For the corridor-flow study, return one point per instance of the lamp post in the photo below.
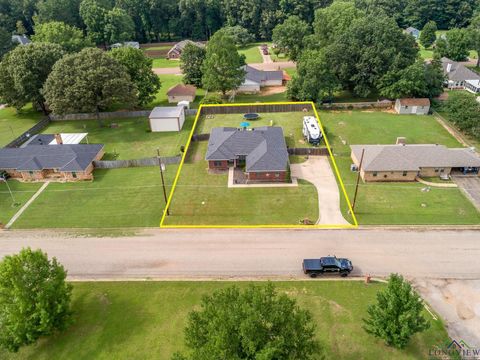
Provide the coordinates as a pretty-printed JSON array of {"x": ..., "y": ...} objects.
[{"x": 163, "y": 180}]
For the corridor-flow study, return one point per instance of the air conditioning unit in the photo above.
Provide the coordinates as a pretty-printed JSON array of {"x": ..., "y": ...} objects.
[{"x": 353, "y": 167}]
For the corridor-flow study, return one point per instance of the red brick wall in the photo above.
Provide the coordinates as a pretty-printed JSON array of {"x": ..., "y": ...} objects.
[
  {"x": 222, "y": 165},
  {"x": 268, "y": 176}
]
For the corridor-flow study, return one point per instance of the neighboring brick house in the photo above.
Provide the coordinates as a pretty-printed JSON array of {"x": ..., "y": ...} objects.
[
  {"x": 51, "y": 162},
  {"x": 412, "y": 106},
  {"x": 262, "y": 151},
  {"x": 176, "y": 51},
  {"x": 407, "y": 162},
  {"x": 181, "y": 92},
  {"x": 257, "y": 79},
  {"x": 460, "y": 77}
]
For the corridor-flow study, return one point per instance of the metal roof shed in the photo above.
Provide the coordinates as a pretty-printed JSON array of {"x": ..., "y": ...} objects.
[{"x": 167, "y": 118}]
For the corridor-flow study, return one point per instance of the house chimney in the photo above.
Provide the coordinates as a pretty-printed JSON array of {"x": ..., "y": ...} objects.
[
  {"x": 449, "y": 67},
  {"x": 58, "y": 139},
  {"x": 401, "y": 141}
]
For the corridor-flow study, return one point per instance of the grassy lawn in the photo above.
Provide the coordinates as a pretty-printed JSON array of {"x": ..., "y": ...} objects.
[
  {"x": 165, "y": 63},
  {"x": 131, "y": 140},
  {"x": 168, "y": 81},
  {"x": 395, "y": 203},
  {"x": 161, "y": 47},
  {"x": 252, "y": 53},
  {"x": 13, "y": 125},
  {"x": 146, "y": 320},
  {"x": 21, "y": 193},
  {"x": 116, "y": 198},
  {"x": 203, "y": 199}
]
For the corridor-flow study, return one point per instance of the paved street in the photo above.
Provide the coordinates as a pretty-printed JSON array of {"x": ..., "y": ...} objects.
[{"x": 163, "y": 254}]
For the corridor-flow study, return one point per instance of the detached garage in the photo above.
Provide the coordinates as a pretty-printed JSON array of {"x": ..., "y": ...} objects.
[{"x": 167, "y": 118}]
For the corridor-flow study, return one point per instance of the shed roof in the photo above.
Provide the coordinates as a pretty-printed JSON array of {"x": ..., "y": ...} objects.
[
  {"x": 182, "y": 90},
  {"x": 264, "y": 147},
  {"x": 166, "y": 112},
  {"x": 67, "y": 158},
  {"x": 414, "y": 102},
  {"x": 413, "y": 157}
]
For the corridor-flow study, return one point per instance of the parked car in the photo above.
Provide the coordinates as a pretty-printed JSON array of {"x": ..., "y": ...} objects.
[{"x": 327, "y": 264}]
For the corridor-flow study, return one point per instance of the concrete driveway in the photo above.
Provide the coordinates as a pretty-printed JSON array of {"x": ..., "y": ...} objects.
[
  {"x": 317, "y": 170},
  {"x": 471, "y": 186}
]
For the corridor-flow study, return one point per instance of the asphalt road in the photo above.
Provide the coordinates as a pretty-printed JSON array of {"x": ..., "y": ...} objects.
[{"x": 193, "y": 254}]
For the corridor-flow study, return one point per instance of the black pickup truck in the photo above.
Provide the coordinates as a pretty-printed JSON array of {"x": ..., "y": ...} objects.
[{"x": 325, "y": 265}]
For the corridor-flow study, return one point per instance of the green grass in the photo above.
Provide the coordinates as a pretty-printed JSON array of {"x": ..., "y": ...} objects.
[
  {"x": 168, "y": 81},
  {"x": 146, "y": 320},
  {"x": 201, "y": 198},
  {"x": 13, "y": 125},
  {"x": 252, "y": 53},
  {"x": 116, "y": 198},
  {"x": 161, "y": 47},
  {"x": 290, "y": 122},
  {"x": 395, "y": 203},
  {"x": 131, "y": 140},
  {"x": 165, "y": 63},
  {"x": 21, "y": 194}
]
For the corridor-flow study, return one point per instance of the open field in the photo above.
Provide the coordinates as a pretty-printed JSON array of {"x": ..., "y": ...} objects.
[
  {"x": 164, "y": 63},
  {"x": 201, "y": 198},
  {"x": 116, "y": 198},
  {"x": 252, "y": 53},
  {"x": 132, "y": 139},
  {"x": 13, "y": 125},
  {"x": 146, "y": 320},
  {"x": 394, "y": 203}
]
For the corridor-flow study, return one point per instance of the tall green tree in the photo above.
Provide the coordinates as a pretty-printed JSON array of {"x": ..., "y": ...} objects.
[
  {"x": 464, "y": 111},
  {"x": 474, "y": 35},
  {"x": 419, "y": 80},
  {"x": 290, "y": 36},
  {"x": 6, "y": 43},
  {"x": 23, "y": 72},
  {"x": 192, "y": 59},
  {"x": 66, "y": 11},
  {"x": 315, "y": 80},
  {"x": 372, "y": 46},
  {"x": 455, "y": 45},
  {"x": 94, "y": 16},
  {"x": 139, "y": 67},
  {"x": 240, "y": 35},
  {"x": 70, "y": 38},
  {"x": 223, "y": 66},
  {"x": 397, "y": 315},
  {"x": 256, "y": 323},
  {"x": 88, "y": 81},
  {"x": 34, "y": 298},
  {"x": 119, "y": 26},
  {"x": 429, "y": 34}
]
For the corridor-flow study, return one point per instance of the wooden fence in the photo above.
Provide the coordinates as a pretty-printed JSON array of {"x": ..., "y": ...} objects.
[
  {"x": 309, "y": 151},
  {"x": 35, "y": 129},
  {"x": 110, "y": 115},
  {"x": 256, "y": 108},
  {"x": 384, "y": 104},
  {"x": 117, "y": 164}
]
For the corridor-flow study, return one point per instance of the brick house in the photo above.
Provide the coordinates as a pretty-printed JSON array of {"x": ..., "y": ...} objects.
[
  {"x": 181, "y": 92},
  {"x": 51, "y": 162},
  {"x": 176, "y": 51},
  {"x": 403, "y": 162},
  {"x": 261, "y": 151}
]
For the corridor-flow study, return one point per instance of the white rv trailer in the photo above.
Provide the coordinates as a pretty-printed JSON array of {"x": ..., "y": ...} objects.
[{"x": 311, "y": 130}]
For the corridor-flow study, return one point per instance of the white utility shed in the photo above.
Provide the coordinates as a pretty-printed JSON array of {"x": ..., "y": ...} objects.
[{"x": 167, "y": 118}]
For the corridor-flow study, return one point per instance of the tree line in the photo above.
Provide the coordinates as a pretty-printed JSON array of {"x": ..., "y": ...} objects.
[{"x": 154, "y": 20}]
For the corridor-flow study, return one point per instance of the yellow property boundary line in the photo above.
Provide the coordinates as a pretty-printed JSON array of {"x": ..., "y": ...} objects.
[{"x": 337, "y": 173}]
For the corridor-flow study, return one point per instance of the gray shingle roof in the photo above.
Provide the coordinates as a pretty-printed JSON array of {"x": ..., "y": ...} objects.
[
  {"x": 21, "y": 39},
  {"x": 458, "y": 72},
  {"x": 411, "y": 29},
  {"x": 413, "y": 157},
  {"x": 258, "y": 76},
  {"x": 166, "y": 112},
  {"x": 38, "y": 157},
  {"x": 181, "y": 45},
  {"x": 264, "y": 147}
]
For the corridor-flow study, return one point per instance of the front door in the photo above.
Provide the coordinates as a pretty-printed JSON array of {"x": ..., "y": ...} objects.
[{"x": 414, "y": 109}]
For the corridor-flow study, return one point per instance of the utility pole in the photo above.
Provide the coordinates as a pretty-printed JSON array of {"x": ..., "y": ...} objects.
[
  {"x": 358, "y": 180},
  {"x": 163, "y": 180}
]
